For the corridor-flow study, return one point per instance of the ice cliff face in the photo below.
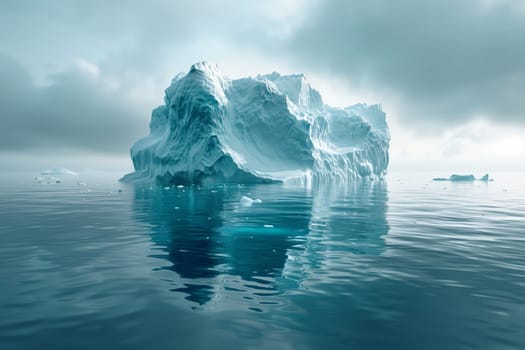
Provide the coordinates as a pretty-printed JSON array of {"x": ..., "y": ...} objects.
[{"x": 270, "y": 128}]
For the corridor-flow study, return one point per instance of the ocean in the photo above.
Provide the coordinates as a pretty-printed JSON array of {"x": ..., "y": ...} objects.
[{"x": 403, "y": 263}]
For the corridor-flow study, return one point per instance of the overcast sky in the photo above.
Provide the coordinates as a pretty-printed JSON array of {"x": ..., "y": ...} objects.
[{"x": 78, "y": 79}]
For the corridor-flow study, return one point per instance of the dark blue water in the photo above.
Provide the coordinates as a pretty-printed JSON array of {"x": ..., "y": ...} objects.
[{"x": 405, "y": 263}]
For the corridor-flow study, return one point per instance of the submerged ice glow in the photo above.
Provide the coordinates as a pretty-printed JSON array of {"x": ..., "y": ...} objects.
[{"x": 255, "y": 130}]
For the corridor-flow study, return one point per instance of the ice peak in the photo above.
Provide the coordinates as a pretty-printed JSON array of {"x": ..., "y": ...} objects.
[
  {"x": 297, "y": 89},
  {"x": 203, "y": 79},
  {"x": 206, "y": 68}
]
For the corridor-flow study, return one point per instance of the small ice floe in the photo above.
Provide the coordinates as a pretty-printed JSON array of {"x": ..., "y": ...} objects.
[
  {"x": 484, "y": 178},
  {"x": 268, "y": 226},
  {"x": 180, "y": 186},
  {"x": 57, "y": 171},
  {"x": 463, "y": 178},
  {"x": 167, "y": 188},
  {"x": 248, "y": 202},
  {"x": 47, "y": 180}
]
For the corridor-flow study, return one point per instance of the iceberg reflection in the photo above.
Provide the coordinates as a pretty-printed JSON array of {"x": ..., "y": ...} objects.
[{"x": 231, "y": 254}]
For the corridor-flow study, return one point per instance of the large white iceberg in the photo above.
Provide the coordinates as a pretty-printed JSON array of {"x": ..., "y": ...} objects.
[{"x": 212, "y": 129}]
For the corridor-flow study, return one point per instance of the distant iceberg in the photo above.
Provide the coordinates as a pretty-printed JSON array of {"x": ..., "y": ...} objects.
[
  {"x": 462, "y": 178},
  {"x": 270, "y": 128},
  {"x": 47, "y": 180},
  {"x": 58, "y": 172}
]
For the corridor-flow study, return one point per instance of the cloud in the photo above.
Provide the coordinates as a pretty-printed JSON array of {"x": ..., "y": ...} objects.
[
  {"x": 483, "y": 138},
  {"x": 137, "y": 36},
  {"x": 446, "y": 62},
  {"x": 78, "y": 110},
  {"x": 85, "y": 75}
]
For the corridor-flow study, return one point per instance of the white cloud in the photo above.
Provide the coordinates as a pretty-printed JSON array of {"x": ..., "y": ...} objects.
[
  {"x": 87, "y": 67},
  {"x": 436, "y": 67}
]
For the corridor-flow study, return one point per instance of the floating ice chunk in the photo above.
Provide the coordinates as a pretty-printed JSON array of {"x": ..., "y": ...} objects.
[
  {"x": 81, "y": 184},
  {"x": 268, "y": 226},
  {"x": 58, "y": 171},
  {"x": 455, "y": 177},
  {"x": 462, "y": 178},
  {"x": 248, "y": 202},
  {"x": 440, "y": 179},
  {"x": 47, "y": 180}
]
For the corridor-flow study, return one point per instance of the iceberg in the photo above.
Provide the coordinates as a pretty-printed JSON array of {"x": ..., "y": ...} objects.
[
  {"x": 58, "y": 171},
  {"x": 463, "y": 178},
  {"x": 47, "y": 180},
  {"x": 263, "y": 129}
]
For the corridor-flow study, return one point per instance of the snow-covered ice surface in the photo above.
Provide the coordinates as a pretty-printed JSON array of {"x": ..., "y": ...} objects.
[{"x": 270, "y": 128}]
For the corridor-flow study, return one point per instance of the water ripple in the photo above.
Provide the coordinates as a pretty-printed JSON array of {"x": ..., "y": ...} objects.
[{"x": 395, "y": 263}]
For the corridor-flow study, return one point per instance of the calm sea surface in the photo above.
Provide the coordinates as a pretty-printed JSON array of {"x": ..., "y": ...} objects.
[{"x": 405, "y": 263}]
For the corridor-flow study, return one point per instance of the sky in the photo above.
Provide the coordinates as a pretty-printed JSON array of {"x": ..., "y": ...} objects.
[{"x": 78, "y": 79}]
